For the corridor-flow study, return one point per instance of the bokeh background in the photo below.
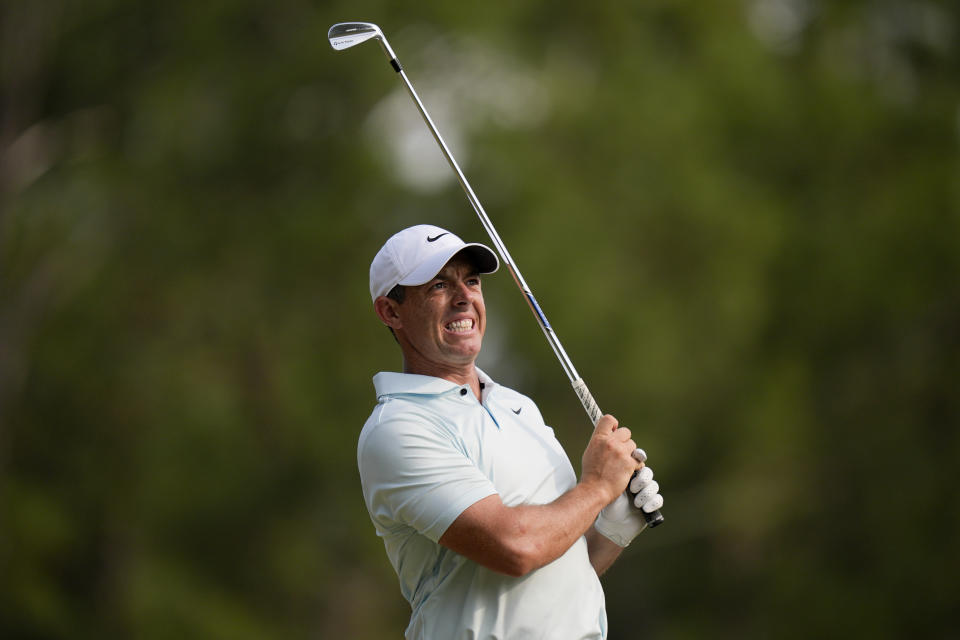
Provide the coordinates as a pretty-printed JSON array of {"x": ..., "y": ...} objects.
[{"x": 742, "y": 219}]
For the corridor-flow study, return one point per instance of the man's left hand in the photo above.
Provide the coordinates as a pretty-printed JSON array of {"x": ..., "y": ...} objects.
[{"x": 621, "y": 520}]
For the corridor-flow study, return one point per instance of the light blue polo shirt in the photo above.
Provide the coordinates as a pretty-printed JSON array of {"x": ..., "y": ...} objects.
[{"x": 428, "y": 451}]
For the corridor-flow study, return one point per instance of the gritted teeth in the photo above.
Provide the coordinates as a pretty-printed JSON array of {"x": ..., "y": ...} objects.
[{"x": 460, "y": 325}]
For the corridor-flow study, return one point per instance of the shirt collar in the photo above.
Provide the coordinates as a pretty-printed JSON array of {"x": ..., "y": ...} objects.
[{"x": 388, "y": 383}]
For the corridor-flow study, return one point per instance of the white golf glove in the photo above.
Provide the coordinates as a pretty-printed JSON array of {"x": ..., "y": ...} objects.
[{"x": 621, "y": 520}]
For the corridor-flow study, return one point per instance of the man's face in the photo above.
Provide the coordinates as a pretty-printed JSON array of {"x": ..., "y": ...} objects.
[{"x": 442, "y": 322}]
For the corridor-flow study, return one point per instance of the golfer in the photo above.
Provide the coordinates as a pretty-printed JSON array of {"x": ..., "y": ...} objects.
[{"x": 478, "y": 506}]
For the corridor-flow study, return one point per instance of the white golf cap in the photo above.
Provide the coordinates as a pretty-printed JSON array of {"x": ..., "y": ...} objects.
[{"x": 415, "y": 255}]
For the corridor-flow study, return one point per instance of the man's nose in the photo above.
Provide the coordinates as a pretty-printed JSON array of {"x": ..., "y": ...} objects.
[{"x": 462, "y": 294}]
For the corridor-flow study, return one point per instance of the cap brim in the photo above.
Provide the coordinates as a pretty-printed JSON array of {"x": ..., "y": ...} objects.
[{"x": 483, "y": 258}]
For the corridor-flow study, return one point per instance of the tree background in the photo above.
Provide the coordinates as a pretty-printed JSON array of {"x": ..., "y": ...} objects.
[{"x": 742, "y": 218}]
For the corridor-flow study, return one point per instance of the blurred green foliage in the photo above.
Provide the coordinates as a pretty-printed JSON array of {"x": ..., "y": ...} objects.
[{"x": 743, "y": 220}]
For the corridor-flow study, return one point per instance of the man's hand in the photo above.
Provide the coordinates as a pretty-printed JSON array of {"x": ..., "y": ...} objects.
[
  {"x": 607, "y": 461},
  {"x": 621, "y": 520}
]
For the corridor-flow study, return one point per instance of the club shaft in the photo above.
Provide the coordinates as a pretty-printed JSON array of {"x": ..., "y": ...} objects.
[{"x": 501, "y": 249}]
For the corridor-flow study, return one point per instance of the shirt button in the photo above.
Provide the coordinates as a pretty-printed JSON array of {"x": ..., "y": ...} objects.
[{"x": 463, "y": 392}]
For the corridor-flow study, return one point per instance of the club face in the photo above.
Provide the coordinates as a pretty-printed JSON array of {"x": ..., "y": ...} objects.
[{"x": 344, "y": 35}]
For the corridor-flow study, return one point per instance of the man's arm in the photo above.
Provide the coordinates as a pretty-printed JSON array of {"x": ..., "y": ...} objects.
[{"x": 517, "y": 540}]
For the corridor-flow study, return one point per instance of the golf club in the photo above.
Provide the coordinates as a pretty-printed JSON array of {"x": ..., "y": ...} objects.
[{"x": 345, "y": 35}]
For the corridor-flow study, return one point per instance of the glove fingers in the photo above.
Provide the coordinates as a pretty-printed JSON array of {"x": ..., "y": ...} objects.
[
  {"x": 642, "y": 479},
  {"x": 653, "y": 504},
  {"x": 646, "y": 493}
]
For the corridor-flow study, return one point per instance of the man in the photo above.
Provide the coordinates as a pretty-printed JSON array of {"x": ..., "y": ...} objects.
[{"x": 478, "y": 506}]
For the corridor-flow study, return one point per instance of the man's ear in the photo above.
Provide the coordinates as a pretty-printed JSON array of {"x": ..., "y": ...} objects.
[{"x": 387, "y": 312}]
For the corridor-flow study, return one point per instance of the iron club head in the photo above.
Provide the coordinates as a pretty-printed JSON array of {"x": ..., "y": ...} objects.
[{"x": 344, "y": 35}]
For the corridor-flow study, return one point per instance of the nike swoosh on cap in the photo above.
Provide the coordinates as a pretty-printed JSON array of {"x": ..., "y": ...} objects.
[
  {"x": 435, "y": 238},
  {"x": 517, "y": 411}
]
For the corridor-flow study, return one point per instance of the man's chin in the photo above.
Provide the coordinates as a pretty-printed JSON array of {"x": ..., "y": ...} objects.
[{"x": 466, "y": 351}]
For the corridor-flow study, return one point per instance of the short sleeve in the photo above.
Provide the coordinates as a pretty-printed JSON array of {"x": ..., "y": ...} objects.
[{"x": 416, "y": 474}]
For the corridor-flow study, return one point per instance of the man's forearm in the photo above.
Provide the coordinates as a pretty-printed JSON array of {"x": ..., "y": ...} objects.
[
  {"x": 517, "y": 540},
  {"x": 553, "y": 528}
]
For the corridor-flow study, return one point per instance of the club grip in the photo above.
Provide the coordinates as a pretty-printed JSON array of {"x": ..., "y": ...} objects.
[{"x": 586, "y": 399}]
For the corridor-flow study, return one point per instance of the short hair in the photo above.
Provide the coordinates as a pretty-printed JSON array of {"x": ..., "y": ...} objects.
[{"x": 398, "y": 294}]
